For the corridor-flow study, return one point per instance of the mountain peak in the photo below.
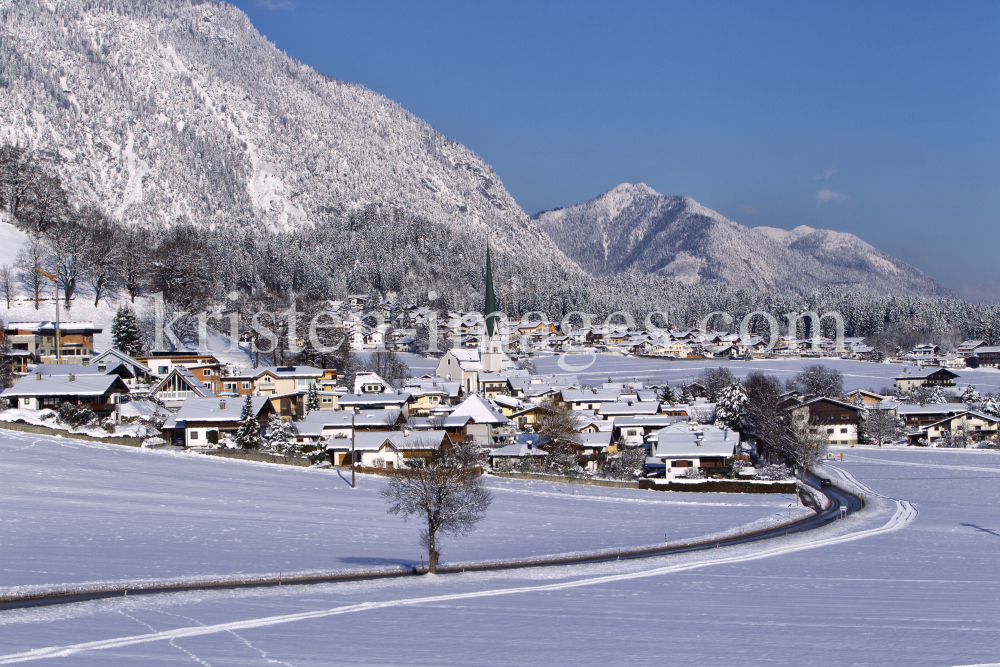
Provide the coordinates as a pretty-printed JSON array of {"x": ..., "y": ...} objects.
[{"x": 633, "y": 228}]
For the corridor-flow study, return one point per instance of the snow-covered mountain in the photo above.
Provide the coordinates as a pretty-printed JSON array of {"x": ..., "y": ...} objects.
[
  {"x": 634, "y": 228},
  {"x": 180, "y": 110}
]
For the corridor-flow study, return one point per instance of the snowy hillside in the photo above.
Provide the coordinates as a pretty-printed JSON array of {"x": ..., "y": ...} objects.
[
  {"x": 177, "y": 110},
  {"x": 634, "y": 228}
]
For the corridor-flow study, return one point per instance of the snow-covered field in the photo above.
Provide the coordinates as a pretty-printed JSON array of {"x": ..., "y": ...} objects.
[
  {"x": 78, "y": 512},
  {"x": 908, "y": 582},
  {"x": 857, "y": 374}
]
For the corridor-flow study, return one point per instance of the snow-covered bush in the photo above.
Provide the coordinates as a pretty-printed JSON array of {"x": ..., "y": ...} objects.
[
  {"x": 76, "y": 415},
  {"x": 770, "y": 472}
]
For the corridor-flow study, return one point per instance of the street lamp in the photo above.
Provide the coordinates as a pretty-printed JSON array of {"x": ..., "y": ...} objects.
[{"x": 54, "y": 279}]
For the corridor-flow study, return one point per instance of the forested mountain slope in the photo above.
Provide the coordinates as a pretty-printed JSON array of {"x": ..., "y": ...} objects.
[{"x": 174, "y": 111}]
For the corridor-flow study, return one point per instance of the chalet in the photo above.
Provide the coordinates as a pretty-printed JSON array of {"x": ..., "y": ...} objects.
[
  {"x": 320, "y": 425},
  {"x": 865, "y": 398},
  {"x": 839, "y": 419},
  {"x": 39, "y": 339},
  {"x": 98, "y": 391},
  {"x": 484, "y": 419},
  {"x": 517, "y": 452},
  {"x": 960, "y": 429},
  {"x": 988, "y": 357},
  {"x": 142, "y": 373},
  {"x": 628, "y": 409},
  {"x": 119, "y": 369},
  {"x": 918, "y": 416},
  {"x": 924, "y": 377},
  {"x": 685, "y": 445},
  {"x": 162, "y": 363},
  {"x": 969, "y": 347},
  {"x": 293, "y": 379},
  {"x": 587, "y": 399},
  {"x": 632, "y": 431},
  {"x": 376, "y": 401},
  {"x": 179, "y": 385},
  {"x": 387, "y": 449},
  {"x": 202, "y": 422}
]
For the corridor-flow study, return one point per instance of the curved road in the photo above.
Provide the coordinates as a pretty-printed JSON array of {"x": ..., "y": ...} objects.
[{"x": 838, "y": 498}]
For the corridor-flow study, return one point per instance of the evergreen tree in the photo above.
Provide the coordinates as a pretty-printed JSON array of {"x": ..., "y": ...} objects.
[
  {"x": 280, "y": 438},
  {"x": 125, "y": 335},
  {"x": 731, "y": 405},
  {"x": 991, "y": 406},
  {"x": 686, "y": 396},
  {"x": 312, "y": 400},
  {"x": 971, "y": 395},
  {"x": 667, "y": 395},
  {"x": 938, "y": 396},
  {"x": 248, "y": 433}
]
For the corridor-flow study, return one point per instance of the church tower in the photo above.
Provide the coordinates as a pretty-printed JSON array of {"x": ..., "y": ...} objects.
[{"x": 491, "y": 355}]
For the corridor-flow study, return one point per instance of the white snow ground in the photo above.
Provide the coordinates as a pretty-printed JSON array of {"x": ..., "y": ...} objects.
[
  {"x": 857, "y": 374},
  {"x": 80, "y": 512},
  {"x": 898, "y": 584}
]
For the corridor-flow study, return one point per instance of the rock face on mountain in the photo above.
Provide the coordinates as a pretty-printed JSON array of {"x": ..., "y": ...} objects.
[
  {"x": 634, "y": 228},
  {"x": 164, "y": 111}
]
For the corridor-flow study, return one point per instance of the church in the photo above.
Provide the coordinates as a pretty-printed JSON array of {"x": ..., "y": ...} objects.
[{"x": 469, "y": 366}]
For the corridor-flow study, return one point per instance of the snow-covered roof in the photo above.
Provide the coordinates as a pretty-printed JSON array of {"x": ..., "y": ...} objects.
[
  {"x": 518, "y": 450},
  {"x": 196, "y": 385},
  {"x": 217, "y": 409},
  {"x": 921, "y": 373},
  {"x": 93, "y": 384},
  {"x": 479, "y": 410},
  {"x": 292, "y": 371},
  {"x": 362, "y": 379},
  {"x": 80, "y": 369},
  {"x": 930, "y": 409},
  {"x": 110, "y": 354},
  {"x": 39, "y": 327},
  {"x": 388, "y": 398},
  {"x": 401, "y": 440},
  {"x": 685, "y": 440},
  {"x": 599, "y": 439},
  {"x": 609, "y": 410}
]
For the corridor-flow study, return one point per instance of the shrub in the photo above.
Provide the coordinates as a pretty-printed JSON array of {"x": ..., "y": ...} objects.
[{"x": 75, "y": 415}]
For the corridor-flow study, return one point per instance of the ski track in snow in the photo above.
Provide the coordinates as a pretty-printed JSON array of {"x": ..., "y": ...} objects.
[{"x": 904, "y": 515}]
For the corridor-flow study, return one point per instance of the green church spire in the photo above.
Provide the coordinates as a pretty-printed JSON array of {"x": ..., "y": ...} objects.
[{"x": 491, "y": 300}]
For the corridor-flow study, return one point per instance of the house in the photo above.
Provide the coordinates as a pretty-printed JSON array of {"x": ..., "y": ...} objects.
[
  {"x": 924, "y": 377},
  {"x": 865, "y": 398},
  {"x": 969, "y": 347},
  {"x": 293, "y": 379},
  {"x": 387, "y": 449},
  {"x": 19, "y": 360},
  {"x": 39, "y": 339},
  {"x": 321, "y": 425},
  {"x": 162, "y": 363},
  {"x": 587, "y": 399},
  {"x": 628, "y": 409},
  {"x": 961, "y": 429},
  {"x": 632, "y": 431},
  {"x": 119, "y": 369},
  {"x": 141, "y": 373},
  {"x": 484, "y": 419},
  {"x": 202, "y": 422},
  {"x": 918, "y": 416},
  {"x": 178, "y": 385},
  {"x": 376, "y": 401},
  {"x": 839, "y": 419},
  {"x": 986, "y": 357},
  {"x": 926, "y": 351},
  {"x": 98, "y": 391},
  {"x": 685, "y": 445},
  {"x": 525, "y": 448}
]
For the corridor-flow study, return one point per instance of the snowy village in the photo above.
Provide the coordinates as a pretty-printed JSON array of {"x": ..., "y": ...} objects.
[{"x": 508, "y": 334}]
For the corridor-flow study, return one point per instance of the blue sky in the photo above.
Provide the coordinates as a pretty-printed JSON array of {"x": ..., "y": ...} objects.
[{"x": 879, "y": 119}]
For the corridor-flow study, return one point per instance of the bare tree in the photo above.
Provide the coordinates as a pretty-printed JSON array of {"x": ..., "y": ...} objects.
[
  {"x": 562, "y": 426},
  {"x": 32, "y": 254},
  {"x": 102, "y": 256},
  {"x": 388, "y": 366},
  {"x": 444, "y": 492},
  {"x": 8, "y": 281},
  {"x": 880, "y": 426},
  {"x": 715, "y": 380},
  {"x": 821, "y": 381},
  {"x": 135, "y": 259}
]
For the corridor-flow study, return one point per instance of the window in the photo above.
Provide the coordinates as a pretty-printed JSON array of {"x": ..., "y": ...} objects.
[
  {"x": 829, "y": 430},
  {"x": 246, "y": 385},
  {"x": 161, "y": 370},
  {"x": 633, "y": 431},
  {"x": 194, "y": 435},
  {"x": 843, "y": 430}
]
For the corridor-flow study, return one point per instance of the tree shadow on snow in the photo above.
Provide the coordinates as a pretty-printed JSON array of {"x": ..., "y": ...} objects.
[{"x": 985, "y": 530}]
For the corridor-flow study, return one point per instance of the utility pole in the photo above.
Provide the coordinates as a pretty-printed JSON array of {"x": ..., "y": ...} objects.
[
  {"x": 352, "y": 447},
  {"x": 55, "y": 280}
]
